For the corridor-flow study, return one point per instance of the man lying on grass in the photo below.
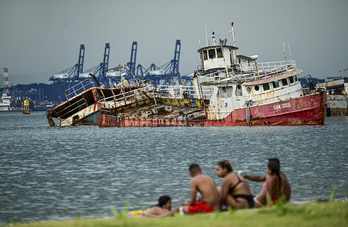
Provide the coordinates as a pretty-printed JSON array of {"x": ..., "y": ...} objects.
[{"x": 162, "y": 209}]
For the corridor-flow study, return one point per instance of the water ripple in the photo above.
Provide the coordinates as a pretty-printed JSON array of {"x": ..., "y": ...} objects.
[{"x": 59, "y": 173}]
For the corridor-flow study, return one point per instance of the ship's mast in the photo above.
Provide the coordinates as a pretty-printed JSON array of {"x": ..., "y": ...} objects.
[
  {"x": 286, "y": 60},
  {"x": 213, "y": 37},
  {"x": 232, "y": 31},
  {"x": 290, "y": 52}
]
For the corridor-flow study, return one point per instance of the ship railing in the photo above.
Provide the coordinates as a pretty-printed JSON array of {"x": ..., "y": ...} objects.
[
  {"x": 183, "y": 91},
  {"x": 128, "y": 97},
  {"x": 161, "y": 91},
  {"x": 270, "y": 66},
  {"x": 268, "y": 69},
  {"x": 78, "y": 88}
]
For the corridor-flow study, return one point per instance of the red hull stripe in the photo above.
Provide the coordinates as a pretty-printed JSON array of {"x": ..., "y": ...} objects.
[{"x": 309, "y": 109}]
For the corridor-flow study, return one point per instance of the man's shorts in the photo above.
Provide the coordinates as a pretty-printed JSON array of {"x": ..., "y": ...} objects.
[{"x": 200, "y": 207}]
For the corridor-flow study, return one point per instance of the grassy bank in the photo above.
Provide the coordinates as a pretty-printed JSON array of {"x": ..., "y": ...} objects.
[{"x": 317, "y": 214}]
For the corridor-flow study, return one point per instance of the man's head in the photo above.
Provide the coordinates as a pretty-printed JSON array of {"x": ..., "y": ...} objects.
[
  {"x": 194, "y": 170},
  {"x": 223, "y": 168},
  {"x": 165, "y": 202}
]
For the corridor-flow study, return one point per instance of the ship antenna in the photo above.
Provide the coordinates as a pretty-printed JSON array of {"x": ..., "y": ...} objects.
[
  {"x": 232, "y": 31},
  {"x": 206, "y": 34},
  {"x": 213, "y": 36},
  {"x": 285, "y": 55},
  {"x": 290, "y": 53},
  {"x": 205, "y": 25}
]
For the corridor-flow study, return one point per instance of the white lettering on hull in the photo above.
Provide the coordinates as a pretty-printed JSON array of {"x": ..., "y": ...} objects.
[{"x": 278, "y": 107}]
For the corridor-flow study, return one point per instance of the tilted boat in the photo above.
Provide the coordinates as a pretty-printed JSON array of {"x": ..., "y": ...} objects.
[
  {"x": 82, "y": 105},
  {"x": 228, "y": 90}
]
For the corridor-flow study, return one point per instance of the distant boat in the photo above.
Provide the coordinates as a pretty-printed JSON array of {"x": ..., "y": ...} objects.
[{"x": 5, "y": 99}]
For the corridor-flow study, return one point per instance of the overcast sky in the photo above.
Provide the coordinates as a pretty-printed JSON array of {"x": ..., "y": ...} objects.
[{"x": 39, "y": 38}]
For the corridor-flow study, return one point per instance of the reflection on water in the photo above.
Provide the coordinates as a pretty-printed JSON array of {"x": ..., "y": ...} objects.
[{"x": 59, "y": 173}]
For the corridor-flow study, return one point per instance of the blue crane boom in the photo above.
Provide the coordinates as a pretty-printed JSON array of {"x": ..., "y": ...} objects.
[
  {"x": 81, "y": 61},
  {"x": 72, "y": 73},
  {"x": 165, "y": 72},
  {"x": 133, "y": 58},
  {"x": 99, "y": 69}
]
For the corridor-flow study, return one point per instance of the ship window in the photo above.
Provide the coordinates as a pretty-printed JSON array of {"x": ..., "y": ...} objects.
[
  {"x": 275, "y": 84},
  {"x": 212, "y": 53},
  {"x": 202, "y": 61},
  {"x": 291, "y": 80},
  {"x": 257, "y": 88},
  {"x": 231, "y": 58},
  {"x": 205, "y": 55},
  {"x": 225, "y": 92},
  {"x": 296, "y": 78},
  {"x": 219, "y": 52},
  {"x": 239, "y": 91},
  {"x": 265, "y": 86},
  {"x": 248, "y": 89},
  {"x": 284, "y": 82}
]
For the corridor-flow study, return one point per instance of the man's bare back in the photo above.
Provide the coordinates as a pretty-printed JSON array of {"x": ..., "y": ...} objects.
[{"x": 205, "y": 185}]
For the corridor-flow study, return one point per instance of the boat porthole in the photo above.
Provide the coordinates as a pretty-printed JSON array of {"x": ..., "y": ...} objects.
[
  {"x": 257, "y": 88},
  {"x": 248, "y": 89}
]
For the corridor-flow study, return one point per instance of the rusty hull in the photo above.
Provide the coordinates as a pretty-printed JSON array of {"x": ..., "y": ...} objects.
[
  {"x": 75, "y": 110},
  {"x": 306, "y": 110}
]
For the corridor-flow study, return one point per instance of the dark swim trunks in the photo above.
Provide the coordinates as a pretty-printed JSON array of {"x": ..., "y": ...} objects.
[{"x": 248, "y": 198}]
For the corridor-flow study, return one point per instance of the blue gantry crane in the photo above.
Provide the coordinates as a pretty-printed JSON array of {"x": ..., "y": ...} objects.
[
  {"x": 72, "y": 73},
  {"x": 162, "y": 74},
  {"x": 99, "y": 70},
  {"x": 133, "y": 58}
]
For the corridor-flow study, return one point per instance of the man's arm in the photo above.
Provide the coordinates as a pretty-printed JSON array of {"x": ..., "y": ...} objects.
[
  {"x": 159, "y": 212},
  {"x": 255, "y": 178},
  {"x": 193, "y": 193}
]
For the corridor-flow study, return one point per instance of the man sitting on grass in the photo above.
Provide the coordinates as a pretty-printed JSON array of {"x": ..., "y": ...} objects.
[{"x": 206, "y": 186}]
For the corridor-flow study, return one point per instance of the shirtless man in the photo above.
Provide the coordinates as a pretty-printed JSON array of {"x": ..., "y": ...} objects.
[
  {"x": 285, "y": 188},
  {"x": 205, "y": 185},
  {"x": 162, "y": 209}
]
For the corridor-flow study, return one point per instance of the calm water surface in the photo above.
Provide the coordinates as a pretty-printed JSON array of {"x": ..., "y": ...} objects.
[{"x": 59, "y": 173}]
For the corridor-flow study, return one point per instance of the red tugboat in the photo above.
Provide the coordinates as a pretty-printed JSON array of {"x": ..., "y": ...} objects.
[{"x": 228, "y": 90}]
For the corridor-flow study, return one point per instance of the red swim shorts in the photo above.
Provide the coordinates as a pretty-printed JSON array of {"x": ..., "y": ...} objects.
[{"x": 200, "y": 207}]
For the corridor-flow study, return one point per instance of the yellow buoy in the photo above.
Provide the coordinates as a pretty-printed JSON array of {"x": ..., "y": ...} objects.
[{"x": 26, "y": 107}]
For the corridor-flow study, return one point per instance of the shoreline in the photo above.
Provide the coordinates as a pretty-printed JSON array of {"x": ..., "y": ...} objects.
[{"x": 315, "y": 214}]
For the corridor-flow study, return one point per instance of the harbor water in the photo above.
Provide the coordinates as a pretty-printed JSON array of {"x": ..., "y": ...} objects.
[{"x": 62, "y": 173}]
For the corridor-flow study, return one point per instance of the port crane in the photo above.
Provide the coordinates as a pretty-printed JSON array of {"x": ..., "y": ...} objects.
[
  {"x": 72, "y": 73},
  {"x": 133, "y": 58},
  {"x": 99, "y": 69},
  {"x": 164, "y": 73}
]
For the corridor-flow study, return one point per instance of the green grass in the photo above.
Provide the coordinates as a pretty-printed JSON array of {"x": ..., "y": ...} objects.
[{"x": 316, "y": 214}]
